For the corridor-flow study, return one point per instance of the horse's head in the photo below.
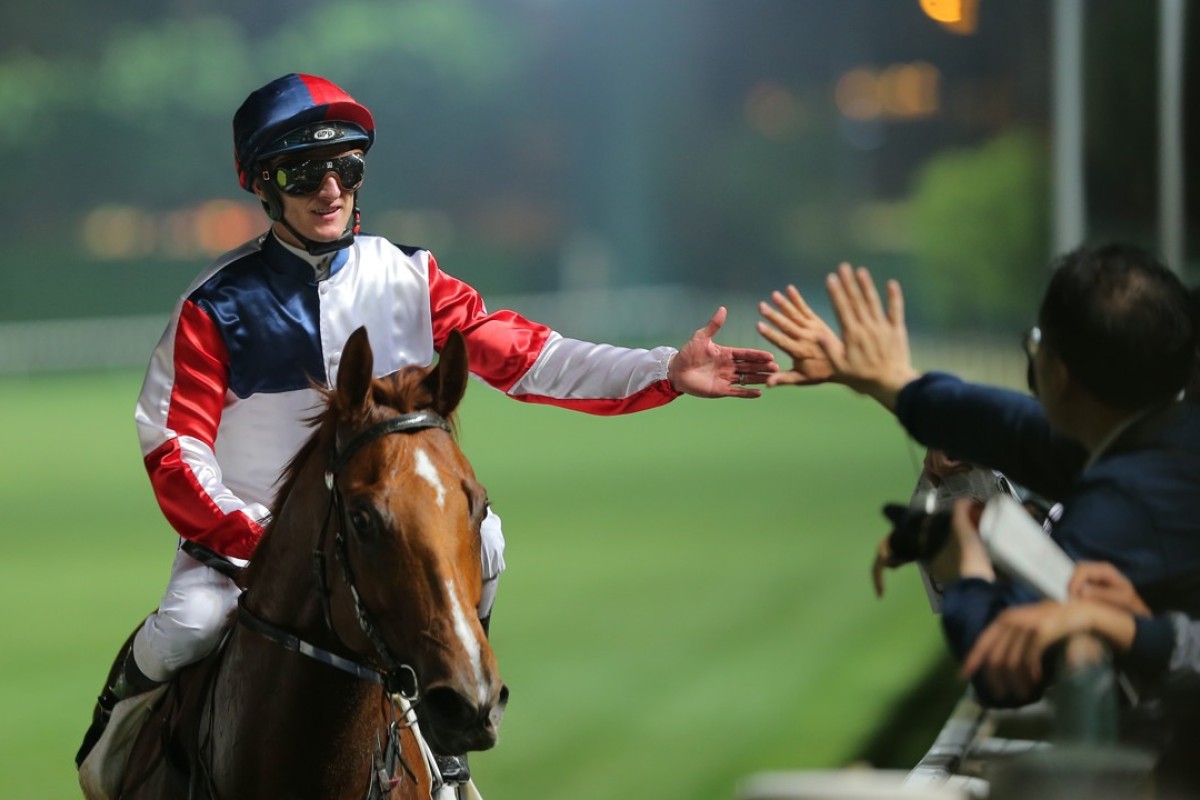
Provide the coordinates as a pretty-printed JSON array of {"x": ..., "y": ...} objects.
[{"x": 410, "y": 511}]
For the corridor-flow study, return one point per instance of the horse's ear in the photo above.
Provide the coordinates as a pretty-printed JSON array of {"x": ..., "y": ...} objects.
[
  {"x": 447, "y": 382},
  {"x": 354, "y": 372}
]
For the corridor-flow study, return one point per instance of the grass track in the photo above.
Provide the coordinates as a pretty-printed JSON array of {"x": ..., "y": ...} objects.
[{"x": 687, "y": 598}]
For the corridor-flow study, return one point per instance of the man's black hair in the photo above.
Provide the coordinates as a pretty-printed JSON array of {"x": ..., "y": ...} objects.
[{"x": 1123, "y": 324}]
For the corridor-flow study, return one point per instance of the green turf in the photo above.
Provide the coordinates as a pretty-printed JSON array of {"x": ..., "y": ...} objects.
[{"x": 687, "y": 599}]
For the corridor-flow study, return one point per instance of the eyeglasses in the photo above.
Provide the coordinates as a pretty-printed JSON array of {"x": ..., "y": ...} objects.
[
  {"x": 305, "y": 177},
  {"x": 1032, "y": 344}
]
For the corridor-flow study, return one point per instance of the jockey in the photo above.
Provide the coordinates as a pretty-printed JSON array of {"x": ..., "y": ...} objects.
[{"x": 228, "y": 388}]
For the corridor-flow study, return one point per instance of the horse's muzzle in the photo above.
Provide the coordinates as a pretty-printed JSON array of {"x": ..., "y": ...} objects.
[{"x": 453, "y": 724}]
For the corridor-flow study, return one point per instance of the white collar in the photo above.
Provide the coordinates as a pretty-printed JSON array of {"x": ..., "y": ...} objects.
[{"x": 320, "y": 264}]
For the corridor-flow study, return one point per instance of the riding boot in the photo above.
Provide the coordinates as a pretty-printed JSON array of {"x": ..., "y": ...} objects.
[{"x": 129, "y": 681}]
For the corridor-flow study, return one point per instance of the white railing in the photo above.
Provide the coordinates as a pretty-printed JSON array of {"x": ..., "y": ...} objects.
[{"x": 642, "y": 316}]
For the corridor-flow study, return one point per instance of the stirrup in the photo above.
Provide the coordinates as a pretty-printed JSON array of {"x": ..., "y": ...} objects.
[
  {"x": 130, "y": 681},
  {"x": 454, "y": 769}
]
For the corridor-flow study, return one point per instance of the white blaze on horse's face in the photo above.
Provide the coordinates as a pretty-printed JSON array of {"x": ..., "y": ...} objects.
[
  {"x": 426, "y": 470},
  {"x": 462, "y": 627}
]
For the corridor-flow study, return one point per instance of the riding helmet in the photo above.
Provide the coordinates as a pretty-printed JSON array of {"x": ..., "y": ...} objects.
[{"x": 293, "y": 113}]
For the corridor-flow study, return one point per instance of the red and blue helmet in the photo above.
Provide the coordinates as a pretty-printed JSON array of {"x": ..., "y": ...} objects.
[{"x": 293, "y": 113}]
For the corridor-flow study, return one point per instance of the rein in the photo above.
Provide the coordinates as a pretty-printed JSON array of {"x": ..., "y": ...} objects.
[{"x": 294, "y": 643}]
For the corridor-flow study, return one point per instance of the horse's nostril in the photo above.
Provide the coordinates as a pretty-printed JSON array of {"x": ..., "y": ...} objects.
[{"x": 450, "y": 707}]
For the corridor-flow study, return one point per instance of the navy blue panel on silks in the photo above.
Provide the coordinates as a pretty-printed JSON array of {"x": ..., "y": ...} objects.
[{"x": 267, "y": 309}]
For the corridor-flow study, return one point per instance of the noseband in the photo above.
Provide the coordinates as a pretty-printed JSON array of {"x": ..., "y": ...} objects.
[{"x": 396, "y": 676}]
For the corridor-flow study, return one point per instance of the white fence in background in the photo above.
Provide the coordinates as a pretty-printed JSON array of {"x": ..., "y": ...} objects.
[{"x": 641, "y": 316}]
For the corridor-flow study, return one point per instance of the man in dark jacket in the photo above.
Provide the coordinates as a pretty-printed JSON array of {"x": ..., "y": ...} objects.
[{"x": 1106, "y": 435}]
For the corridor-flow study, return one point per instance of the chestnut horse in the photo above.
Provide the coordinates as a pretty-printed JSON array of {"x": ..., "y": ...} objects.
[{"x": 365, "y": 584}]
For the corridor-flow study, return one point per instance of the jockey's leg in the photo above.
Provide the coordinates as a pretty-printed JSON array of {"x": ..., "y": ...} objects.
[
  {"x": 192, "y": 616},
  {"x": 455, "y": 769},
  {"x": 491, "y": 556}
]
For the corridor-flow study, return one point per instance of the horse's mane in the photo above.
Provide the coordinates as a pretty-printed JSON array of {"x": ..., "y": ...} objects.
[{"x": 400, "y": 392}]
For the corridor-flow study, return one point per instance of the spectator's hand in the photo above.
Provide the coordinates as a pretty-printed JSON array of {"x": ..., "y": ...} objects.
[
  {"x": 883, "y": 560},
  {"x": 872, "y": 357},
  {"x": 1011, "y": 649},
  {"x": 1104, "y": 583},
  {"x": 938, "y": 466},
  {"x": 796, "y": 330},
  {"x": 963, "y": 555},
  {"x": 704, "y": 368}
]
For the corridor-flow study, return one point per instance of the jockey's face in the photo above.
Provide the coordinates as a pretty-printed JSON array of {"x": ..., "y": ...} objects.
[{"x": 323, "y": 214}]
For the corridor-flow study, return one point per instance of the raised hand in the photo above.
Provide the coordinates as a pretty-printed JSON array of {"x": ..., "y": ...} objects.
[
  {"x": 703, "y": 368},
  {"x": 872, "y": 356},
  {"x": 796, "y": 329}
]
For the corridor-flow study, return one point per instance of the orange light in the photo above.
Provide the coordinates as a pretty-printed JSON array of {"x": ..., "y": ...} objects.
[
  {"x": 910, "y": 90},
  {"x": 857, "y": 95},
  {"x": 115, "y": 232},
  {"x": 943, "y": 10},
  {"x": 773, "y": 111},
  {"x": 957, "y": 16},
  {"x": 898, "y": 92},
  {"x": 221, "y": 225}
]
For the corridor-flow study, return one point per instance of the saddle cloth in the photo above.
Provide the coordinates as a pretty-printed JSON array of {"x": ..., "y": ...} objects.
[{"x": 101, "y": 772}]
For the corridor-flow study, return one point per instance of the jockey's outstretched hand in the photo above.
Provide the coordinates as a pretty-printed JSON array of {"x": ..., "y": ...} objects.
[{"x": 703, "y": 368}]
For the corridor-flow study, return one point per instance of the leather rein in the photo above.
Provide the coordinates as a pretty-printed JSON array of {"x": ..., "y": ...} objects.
[{"x": 396, "y": 677}]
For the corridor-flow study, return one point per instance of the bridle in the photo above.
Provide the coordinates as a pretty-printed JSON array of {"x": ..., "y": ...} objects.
[{"x": 396, "y": 676}]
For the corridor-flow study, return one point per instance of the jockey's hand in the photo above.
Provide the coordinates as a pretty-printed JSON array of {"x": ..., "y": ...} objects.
[{"x": 703, "y": 368}]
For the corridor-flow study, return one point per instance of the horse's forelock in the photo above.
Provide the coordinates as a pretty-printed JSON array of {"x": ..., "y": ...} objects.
[{"x": 402, "y": 391}]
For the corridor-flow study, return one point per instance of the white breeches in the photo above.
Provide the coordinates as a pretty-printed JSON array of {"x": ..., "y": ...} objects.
[
  {"x": 199, "y": 604},
  {"x": 191, "y": 619}
]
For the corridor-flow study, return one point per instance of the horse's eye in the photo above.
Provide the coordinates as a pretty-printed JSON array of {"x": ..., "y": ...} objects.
[{"x": 362, "y": 521}]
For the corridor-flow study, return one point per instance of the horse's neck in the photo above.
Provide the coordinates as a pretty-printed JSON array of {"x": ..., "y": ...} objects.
[
  {"x": 282, "y": 583},
  {"x": 320, "y": 724}
]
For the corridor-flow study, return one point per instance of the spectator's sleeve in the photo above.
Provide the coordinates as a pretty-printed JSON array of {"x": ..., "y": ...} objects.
[
  {"x": 992, "y": 427},
  {"x": 1160, "y": 643},
  {"x": 969, "y": 605}
]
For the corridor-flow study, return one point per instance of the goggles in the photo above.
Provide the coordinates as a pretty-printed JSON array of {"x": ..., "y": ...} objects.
[{"x": 305, "y": 177}]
